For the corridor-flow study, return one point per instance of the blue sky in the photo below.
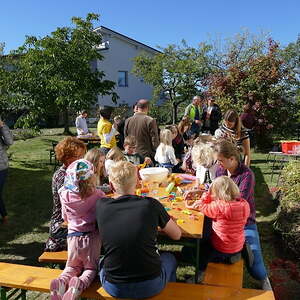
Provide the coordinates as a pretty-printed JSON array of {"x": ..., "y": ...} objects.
[{"x": 154, "y": 22}]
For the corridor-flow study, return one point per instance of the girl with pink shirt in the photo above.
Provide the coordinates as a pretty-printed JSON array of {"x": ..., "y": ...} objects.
[
  {"x": 229, "y": 213},
  {"x": 78, "y": 197}
]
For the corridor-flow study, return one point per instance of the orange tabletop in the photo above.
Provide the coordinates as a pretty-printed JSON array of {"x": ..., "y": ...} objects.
[{"x": 189, "y": 221}]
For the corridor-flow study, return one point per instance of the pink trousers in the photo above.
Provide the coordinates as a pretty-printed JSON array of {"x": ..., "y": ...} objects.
[{"x": 83, "y": 257}]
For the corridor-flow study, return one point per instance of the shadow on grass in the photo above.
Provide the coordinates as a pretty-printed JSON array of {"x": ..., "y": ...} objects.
[
  {"x": 25, "y": 254},
  {"x": 265, "y": 206},
  {"x": 28, "y": 199}
]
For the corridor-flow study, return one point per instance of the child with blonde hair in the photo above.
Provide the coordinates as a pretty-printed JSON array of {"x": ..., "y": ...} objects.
[
  {"x": 165, "y": 154},
  {"x": 114, "y": 155},
  {"x": 78, "y": 197},
  {"x": 97, "y": 157},
  {"x": 204, "y": 158},
  {"x": 229, "y": 213}
]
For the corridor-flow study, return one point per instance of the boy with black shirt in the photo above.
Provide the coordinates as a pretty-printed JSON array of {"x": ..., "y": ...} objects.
[{"x": 128, "y": 225}]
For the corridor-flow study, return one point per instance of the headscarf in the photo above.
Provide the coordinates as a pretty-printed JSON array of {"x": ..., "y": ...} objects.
[{"x": 80, "y": 169}]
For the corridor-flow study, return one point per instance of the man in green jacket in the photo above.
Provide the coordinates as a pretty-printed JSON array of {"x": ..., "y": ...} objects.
[{"x": 194, "y": 112}]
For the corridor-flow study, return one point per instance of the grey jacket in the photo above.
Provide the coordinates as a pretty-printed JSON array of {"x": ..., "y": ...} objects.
[{"x": 6, "y": 139}]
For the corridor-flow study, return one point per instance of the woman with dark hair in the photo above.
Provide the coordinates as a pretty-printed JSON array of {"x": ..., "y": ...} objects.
[
  {"x": 233, "y": 130},
  {"x": 106, "y": 130},
  {"x": 67, "y": 151}
]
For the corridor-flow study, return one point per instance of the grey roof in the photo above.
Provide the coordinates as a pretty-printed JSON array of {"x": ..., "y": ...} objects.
[{"x": 108, "y": 30}]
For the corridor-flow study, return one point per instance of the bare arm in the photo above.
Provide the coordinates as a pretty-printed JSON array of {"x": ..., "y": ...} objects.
[
  {"x": 246, "y": 147},
  {"x": 172, "y": 230}
]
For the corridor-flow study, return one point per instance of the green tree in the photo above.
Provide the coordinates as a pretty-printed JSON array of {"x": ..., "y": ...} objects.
[
  {"x": 175, "y": 73},
  {"x": 54, "y": 73},
  {"x": 252, "y": 70},
  {"x": 291, "y": 56}
]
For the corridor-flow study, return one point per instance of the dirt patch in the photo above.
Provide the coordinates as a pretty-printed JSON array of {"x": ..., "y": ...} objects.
[{"x": 285, "y": 278}]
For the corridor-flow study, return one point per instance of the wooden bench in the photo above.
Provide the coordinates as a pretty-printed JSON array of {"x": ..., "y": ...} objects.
[
  {"x": 59, "y": 257},
  {"x": 24, "y": 278},
  {"x": 216, "y": 274},
  {"x": 225, "y": 275}
]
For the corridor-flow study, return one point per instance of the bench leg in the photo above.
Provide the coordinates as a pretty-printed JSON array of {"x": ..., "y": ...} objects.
[
  {"x": 197, "y": 260},
  {"x": 5, "y": 296},
  {"x": 23, "y": 295},
  {"x": 3, "y": 293}
]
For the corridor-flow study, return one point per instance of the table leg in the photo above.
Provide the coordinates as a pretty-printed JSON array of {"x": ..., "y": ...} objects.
[
  {"x": 197, "y": 260},
  {"x": 274, "y": 159}
]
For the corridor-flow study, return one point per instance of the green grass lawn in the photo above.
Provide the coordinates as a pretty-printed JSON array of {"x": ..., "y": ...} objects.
[{"x": 29, "y": 204}]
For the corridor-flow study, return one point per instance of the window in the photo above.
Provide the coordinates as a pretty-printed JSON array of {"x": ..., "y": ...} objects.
[{"x": 123, "y": 78}]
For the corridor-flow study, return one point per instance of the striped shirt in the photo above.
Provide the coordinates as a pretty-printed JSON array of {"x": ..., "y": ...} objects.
[{"x": 231, "y": 134}]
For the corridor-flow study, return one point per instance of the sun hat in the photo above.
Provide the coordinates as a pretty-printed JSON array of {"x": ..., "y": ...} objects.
[{"x": 77, "y": 171}]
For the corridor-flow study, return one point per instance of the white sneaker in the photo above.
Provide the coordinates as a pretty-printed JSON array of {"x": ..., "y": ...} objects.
[{"x": 266, "y": 284}]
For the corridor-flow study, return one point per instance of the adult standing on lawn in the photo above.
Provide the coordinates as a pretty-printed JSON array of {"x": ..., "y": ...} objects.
[
  {"x": 106, "y": 130},
  {"x": 144, "y": 129},
  {"x": 211, "y": 116},
  {"x": 80, "y": 123},
  {"x": 194, "y": 112},
  {"x": 6, "y": 140},
  {"x": 66, "y": 151},
  {"x": 228, "y": 157}
]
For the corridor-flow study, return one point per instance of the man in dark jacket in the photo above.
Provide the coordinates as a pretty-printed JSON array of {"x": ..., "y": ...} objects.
[
  {"x": 211, "y": 116},
  {"x": 144, "y": 129}
]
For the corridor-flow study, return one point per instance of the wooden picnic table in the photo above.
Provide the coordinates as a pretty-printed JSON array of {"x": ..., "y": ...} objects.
[
  {"x": 89, "y": 138},
  {"x": 189, "y": 221}
]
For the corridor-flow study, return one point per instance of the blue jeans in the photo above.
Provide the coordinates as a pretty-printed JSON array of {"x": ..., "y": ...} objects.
[
  {"x": 258, "y": 269},
  {"x": 143, "y": 289},
  {"x": 3, "y": 175}
]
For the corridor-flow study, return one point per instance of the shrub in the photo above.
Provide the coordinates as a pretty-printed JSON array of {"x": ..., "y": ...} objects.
[
  {"x": 288, "y": 214},
  {"x": 24, "y": 134}
]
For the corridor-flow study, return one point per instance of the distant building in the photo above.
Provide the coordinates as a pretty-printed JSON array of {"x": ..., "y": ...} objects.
[{"x": 118, "y": 51}]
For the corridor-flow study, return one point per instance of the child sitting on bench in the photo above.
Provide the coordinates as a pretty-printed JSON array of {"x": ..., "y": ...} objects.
[
  {"x": 78, "y": 197},
  {"x": 229, "y": 213},
  {"x": 130, "y": 152},
  {"x": 165, "y": 154}
]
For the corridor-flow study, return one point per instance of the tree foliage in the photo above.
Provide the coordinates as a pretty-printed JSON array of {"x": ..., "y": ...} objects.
[
  {"x": 54, "y": 73},
  {"x": 252, "y": 70},
  {"x": 175, "y": 73}
]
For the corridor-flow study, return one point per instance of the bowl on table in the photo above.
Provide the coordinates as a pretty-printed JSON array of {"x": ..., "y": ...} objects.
[{"x": 154, "y": 175}]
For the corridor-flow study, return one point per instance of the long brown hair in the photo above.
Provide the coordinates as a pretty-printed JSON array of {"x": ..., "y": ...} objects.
[
  {"x": 232, "y": 116},
  {"x": 87, "y": 187},
  {"x": 185, "y": 121},
  {"x": 93, "y": 156}
]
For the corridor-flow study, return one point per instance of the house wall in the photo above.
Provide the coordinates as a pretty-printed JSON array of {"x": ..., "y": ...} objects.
[{"x": 119, "y": 57}]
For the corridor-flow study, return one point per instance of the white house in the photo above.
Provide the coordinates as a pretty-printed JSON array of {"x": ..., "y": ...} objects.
[{"x": 118, "y": 51}]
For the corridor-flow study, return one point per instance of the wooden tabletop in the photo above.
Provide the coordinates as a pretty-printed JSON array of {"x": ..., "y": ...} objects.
[
  {"x": 189, "y": 221},
  {"x": 86, "y": 138}
]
